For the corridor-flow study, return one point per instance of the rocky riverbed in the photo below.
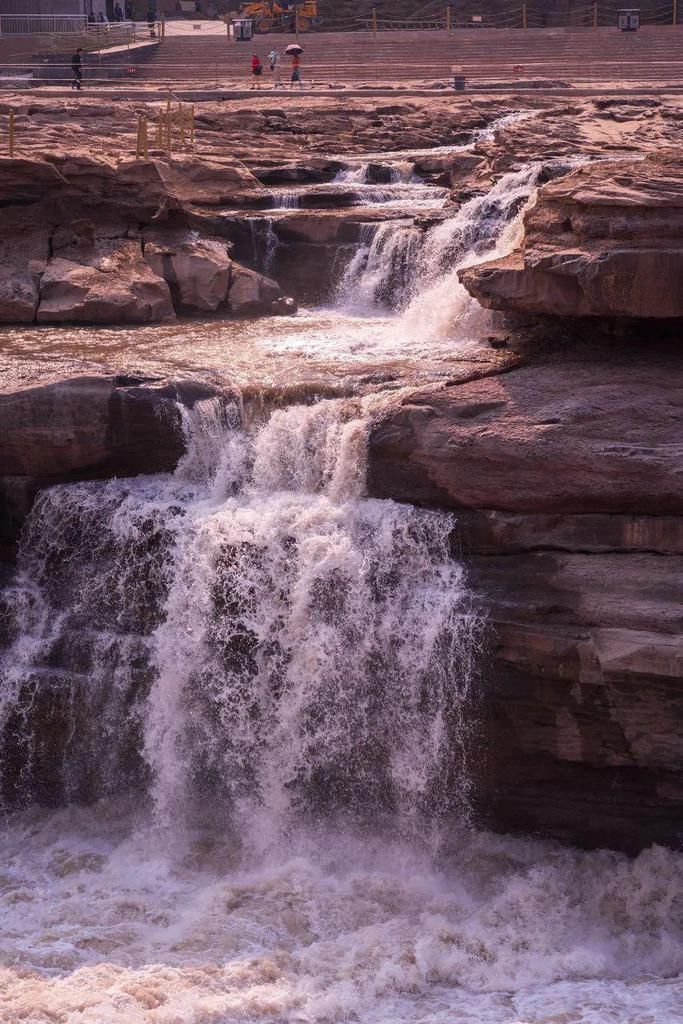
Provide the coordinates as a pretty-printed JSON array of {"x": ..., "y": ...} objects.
[{"x": 551, "y": 427}]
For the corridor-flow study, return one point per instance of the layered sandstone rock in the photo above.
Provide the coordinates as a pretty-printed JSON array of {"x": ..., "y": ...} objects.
[
  {"x": 93, "y": 240},
  {"x": 95, "y": 427},
  {"x": 106, "y": 283},
  {"x": 570, "y": 437},
  {"x": 197, "y": 270},
  {"x": 567, "y": 481},
  {"x": 604, "y": 241}
]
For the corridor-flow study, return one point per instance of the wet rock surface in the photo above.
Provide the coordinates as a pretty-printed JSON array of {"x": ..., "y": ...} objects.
[{"x": 94, "y": 427}]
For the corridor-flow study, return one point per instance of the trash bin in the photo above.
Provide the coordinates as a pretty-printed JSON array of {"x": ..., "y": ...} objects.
[
  {"x": 628, "y": 19},
  {"x": 242, "y": 30},
  {"x": 458, "y": 78}
]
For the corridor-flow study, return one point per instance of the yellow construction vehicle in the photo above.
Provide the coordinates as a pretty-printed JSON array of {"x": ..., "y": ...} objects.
[{"x": 280, "y": 15}]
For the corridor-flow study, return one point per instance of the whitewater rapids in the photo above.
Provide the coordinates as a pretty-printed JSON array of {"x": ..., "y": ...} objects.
[{"x": 105, "y": 927}]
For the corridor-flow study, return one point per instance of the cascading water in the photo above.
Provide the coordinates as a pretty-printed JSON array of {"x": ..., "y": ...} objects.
[
  {"x": 403, "y": 267},
  {"x": 251, "y": 634},
  {"x": 264, "y": 242},
  {"x": 246, "y": 690}
]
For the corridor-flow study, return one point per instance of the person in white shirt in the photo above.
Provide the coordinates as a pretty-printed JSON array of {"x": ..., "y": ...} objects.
[{"x": 274, "y": 58}]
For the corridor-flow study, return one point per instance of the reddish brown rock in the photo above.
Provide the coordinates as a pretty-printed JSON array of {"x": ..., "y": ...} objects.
[
  {"x": 95, "y": 427},
  {"x": 604, "y": 241},
  {"x": 198, "y": 271},
  {"x": 567, "y": 481},
  {"x": 567, "y": 437},
  {"x": 103, "y": 284}
]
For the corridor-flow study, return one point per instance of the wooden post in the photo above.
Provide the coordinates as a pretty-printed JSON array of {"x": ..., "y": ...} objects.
[
  {"x": 595, "y": 15},
  {"x": 181, "y": 122},
  {"x": 169, "y": 132},
  {"x": 523, "y": 15},
  {"x": 138, "y": 141},
  {"x": 448, "y": 19},
  {"x": 160, "y": 130},
  {"x": 674, "y": 18},
  {"x": 145, "y": 138},
  {"x": 192, "y": 124},
  {"x": 374, "y": 21},
  {"x": 11, "y": 133}
]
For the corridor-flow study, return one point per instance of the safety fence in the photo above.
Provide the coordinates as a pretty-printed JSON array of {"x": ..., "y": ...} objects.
[
  {"x": 518, "y": 15},
  {"x": 90, "y": 35}
]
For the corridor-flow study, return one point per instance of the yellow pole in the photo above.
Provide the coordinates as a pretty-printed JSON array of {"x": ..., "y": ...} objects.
[
  {"x": 448, "y": 19},
  {"x": 181, "y": 122},
  {"x": 374, "y": 21},
  {"x": 595, "y": 15},
  {"x": 11, "y": 133},
  {"x": 523, "y": 15}
]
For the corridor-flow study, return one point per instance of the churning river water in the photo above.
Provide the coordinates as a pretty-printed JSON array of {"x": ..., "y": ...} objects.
[{"x": 250, "y": 689}]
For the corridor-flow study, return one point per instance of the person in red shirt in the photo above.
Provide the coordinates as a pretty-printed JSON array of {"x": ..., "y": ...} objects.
[{"x": 256, "y": 71}]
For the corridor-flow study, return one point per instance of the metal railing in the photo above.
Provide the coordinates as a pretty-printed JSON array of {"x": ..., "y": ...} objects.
[
  {"x": 531, "y": 14},
  {"x": 69, "y": 25},
  {"x": 90, "y": 36},
  {"x": 38, "y": 24}
]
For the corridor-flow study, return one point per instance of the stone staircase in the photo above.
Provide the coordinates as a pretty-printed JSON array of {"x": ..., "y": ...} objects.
[{"x": 654, "y": 54}]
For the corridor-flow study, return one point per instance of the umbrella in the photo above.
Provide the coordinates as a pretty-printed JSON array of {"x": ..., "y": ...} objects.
[{"x": 294, "y": 49}]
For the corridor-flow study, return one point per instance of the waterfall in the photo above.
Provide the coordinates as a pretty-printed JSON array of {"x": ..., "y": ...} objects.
[
  {"x": 412, "y": 270},
  {"x": 264, "y": 242},
  {"x": 249, "y": 641},
  {"x": 287, "y": 199}
]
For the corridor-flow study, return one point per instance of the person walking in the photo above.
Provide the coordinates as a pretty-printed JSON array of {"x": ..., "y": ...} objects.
[
  {"x": 274, "y": 58},
  {"x": 256, "y": 71},
  {"x": 296, "y": 71},
  {"x": 77, "y": 68}
]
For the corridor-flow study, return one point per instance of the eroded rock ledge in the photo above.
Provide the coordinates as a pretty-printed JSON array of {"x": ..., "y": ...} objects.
[
  {"x": 567, "y": 483},
  {"x": 86, "y": 240},
  {"x": 604, "y": 241}
]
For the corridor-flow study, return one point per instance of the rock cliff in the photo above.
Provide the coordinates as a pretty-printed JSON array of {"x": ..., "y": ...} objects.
[{"x": 567, "y": 484}]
